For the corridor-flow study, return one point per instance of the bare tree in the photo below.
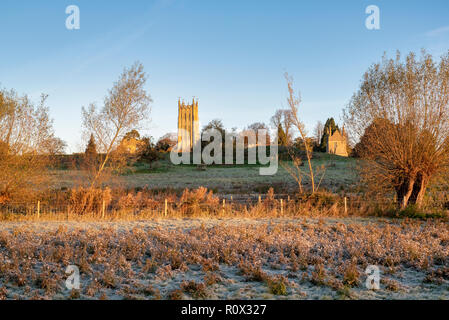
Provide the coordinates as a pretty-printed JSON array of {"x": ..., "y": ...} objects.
[
  {"x": 26, "y": 143},
  {"x": 255, "y": 127},
  {"x": 126, "y": 107},
  {"x": 167, "y": 142},
  {"x": 58, "y": 147},
  {"x": 400, "y": 116},
  {"x": 283, "y": 118},
  {"x": 294, "y": 102},
  {"x": 215, "y": 124},
  {"x": 318, "y": 132}
]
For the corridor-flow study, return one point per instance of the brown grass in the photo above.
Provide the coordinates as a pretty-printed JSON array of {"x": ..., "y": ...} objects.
[{"x": 87, "y": 205}]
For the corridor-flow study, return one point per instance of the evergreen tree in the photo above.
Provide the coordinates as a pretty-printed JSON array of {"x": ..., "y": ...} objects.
[
  {"x": 329, "y": 127},
  {"x": 282, "y": 137},
  {"x": 91, "y": 149}
]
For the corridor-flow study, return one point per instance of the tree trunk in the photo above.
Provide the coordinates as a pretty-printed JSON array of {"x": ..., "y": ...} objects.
[
  {"x": 419, "y": 190},
  {"x": 404, "y": 192}
]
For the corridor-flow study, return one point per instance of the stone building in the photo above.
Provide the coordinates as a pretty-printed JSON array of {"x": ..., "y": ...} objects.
[
  {"x": 188, "y": 125},
  {"x": 337, "y": 143}
]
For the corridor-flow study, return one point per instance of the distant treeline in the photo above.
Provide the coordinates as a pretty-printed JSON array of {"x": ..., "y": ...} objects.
[
  {"x": 76, "y": 160},
  {"x": 69, "y": 161}
]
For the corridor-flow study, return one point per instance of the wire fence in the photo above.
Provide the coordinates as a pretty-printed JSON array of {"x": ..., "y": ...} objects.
[{"x": 227, "y": 203}]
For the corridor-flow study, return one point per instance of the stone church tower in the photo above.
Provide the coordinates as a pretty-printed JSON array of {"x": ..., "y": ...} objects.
[
  {"x": 337, "y": 143},
  {"x": 188, "y": 125}
]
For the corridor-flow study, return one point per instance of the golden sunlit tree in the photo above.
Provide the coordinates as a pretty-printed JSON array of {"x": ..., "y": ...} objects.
[
  {"x": 400, "y": 116},
  {"x": 27, "y": 143},
  {"x": 297, "y": 173},
  {"x": 126, "y": 108}
]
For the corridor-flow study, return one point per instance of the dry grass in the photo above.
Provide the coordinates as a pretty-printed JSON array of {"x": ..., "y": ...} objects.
[
  {"x": 178, "y": 259},
  {"x": 88, "y": 206},
  {"x": 92, "y": 204}
]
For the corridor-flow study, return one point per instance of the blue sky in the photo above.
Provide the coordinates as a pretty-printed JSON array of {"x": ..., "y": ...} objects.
[{"x": 230, "y": 54}]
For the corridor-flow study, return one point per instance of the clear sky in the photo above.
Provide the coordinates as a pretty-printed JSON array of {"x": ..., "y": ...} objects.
[{"x": 230, "y": 54}]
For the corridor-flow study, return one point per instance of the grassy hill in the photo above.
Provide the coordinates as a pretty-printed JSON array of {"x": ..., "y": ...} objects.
[{"x": 235, "y": 179}]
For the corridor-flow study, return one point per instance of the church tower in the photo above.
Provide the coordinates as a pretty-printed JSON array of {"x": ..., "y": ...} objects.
[{"x": 188, "y": 125}]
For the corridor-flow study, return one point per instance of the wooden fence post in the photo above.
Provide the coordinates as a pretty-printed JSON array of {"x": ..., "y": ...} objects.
[
  {"x": 260, "y": 199},
  {"x": 282, "y": 207},
  {"x": 165, "y": 208},
  {"x": 68, "y": 212},
  {"x": 102, "y": 210},
  {"x": 346, "y": 206},
  {"x": 224, "y": 204},
  {"x": 38, "y": 209}
]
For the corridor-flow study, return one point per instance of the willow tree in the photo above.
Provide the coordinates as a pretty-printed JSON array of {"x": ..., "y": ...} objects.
[{"x": 400, "y": 115}]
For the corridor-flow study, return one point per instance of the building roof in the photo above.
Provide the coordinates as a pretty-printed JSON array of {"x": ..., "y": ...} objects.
[{"x": 337, "y": 136}]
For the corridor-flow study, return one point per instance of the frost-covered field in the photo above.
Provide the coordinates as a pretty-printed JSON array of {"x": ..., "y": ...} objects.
[{"x": 225, "y": 259}]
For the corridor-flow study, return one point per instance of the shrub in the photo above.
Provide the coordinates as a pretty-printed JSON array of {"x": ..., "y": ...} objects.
[
  {"x": 390, "y": 284},
  {"x": 74, "y": 294},
  {"x": 345, "y": 293},
  {"x": 89, "y": 200},
  {"x": 209, "y": 265},
  {"x": 3, "y": 293},
  {"x": 109, "y": 279},
  {"x": 278, "y": 286},
  {"x": 252, "y": 273},
  {"x": 412, "y": 211},
  {"x": 319, "y": 275},
  {"x": 270, "y": 201},
  {"x": 137, "y": 201},
  {"x": 150, "y": 266},
  {"x": 196, "y": 290},
  {"x": 433, "y": 277},
  {"x": 212, "y": 278},
  {"x": 176, "y": 295},
  {"x": 322, "y": 199},
  {"x": 351, "y": 275},
  {"x": 193, "y": 201}
]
